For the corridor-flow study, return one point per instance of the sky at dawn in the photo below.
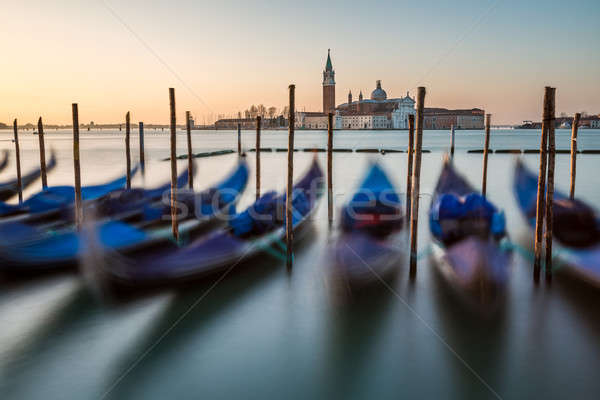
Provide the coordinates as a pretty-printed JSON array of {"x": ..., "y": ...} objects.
[{"x": 222, "y": 56}]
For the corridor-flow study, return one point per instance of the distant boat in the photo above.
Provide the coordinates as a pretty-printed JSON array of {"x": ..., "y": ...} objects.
[{"x": 565, "y": 125}]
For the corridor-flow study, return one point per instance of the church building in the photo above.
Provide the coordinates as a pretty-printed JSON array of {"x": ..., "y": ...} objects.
[{"x": 378, "y": 112}]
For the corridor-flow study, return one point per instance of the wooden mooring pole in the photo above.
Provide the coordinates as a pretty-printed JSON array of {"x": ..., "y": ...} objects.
[
  {"x": 77, "y": 168},
  {"x": 18, "y": 158},
  {"x": 188, "y": 126},
  {"x": 574, "y": 154},
  {"x": 42, "y": 153},
  {"x": 128, "y": 148},
  {"x": 239, "y": 137},
  {"x": 550, "y": 189},
  {"x": 142, "y": 155},
  {"x": 539, "y": 216},
  {"x": 416, "y": 182},
  {"x": 258, "y": 121},
  {"x": 486, "y": 148},
  {"x": 329, "y": 168},
  {"x": 289, "y": 231},
  {"x": 452, "y": 141},
  {"x": 174, "y": 223},
  {"x": 409, "y": 169}
]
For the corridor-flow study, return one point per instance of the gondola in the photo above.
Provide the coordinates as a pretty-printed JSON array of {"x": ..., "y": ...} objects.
[
  {"x": 258, "y": 229},
  {"x": 28, "y": 250},
  {"x": 371, "y": 244},
  {"x": 129, "y": 205},
  {"x": 467, "y": 231},
  {"x": 10, "y": 189},
  {"x": 54, "y": 199},
  {"x": 4, "y": 161},
  {"x": 576, "y": 228}
]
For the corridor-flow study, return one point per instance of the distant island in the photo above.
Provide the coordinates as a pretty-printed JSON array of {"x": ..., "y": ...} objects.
[{"x": 586, "y": 121}]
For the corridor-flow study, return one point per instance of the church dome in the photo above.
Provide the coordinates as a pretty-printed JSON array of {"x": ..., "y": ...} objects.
[{"x": 378, "y": 93}]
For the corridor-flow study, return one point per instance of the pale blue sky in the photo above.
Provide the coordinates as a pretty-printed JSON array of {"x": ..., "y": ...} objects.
[{"x": 223, "y": 56}]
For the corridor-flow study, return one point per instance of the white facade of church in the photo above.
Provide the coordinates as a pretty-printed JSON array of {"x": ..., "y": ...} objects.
[{"x": 406, "y": 107}]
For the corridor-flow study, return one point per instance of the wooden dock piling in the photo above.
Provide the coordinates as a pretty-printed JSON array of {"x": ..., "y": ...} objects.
[
  {"x": 329, "y": 168},
  {"x": 486, "y": 149},
  {"x": 142, "y": 156},
  {"x": 289, "y": 232},
  {"x": 18, "y": 159},
  {"x": 539, "y": 218},
  {"x": 77, "y": 168},
  {"x": 550, "y": 190},
  {"x": 258, "y": 122},
  {"x": 42, "y": 153},
  {"x": 188, "y": 126},
  {"x": 409, "y": 169},
  {"x": 239, "y": 137},
  {"x": 128, "y": 148},
  {"x": 416, "y": 182},
  {"x": 174, "y": 223},
  {"x": 452, "y": 141},
  {"x": 574, "y": 154}
]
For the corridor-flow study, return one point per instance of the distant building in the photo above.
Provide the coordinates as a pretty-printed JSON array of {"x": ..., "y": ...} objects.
[
  {"x": 362, "y": 121},
  {"x": 442, "y": 118},
  {"x": 328, "y": 86},
  {"x": 396, "y": 110},
  {"x": 592, "y": 121},
  {"x": 318, "y": 120},
  {"x": 311, "y": 120},
  {"x": 379, "y": 111},
  {"x": 232, "y": 123},
  {"x": 250, "y": 123}
]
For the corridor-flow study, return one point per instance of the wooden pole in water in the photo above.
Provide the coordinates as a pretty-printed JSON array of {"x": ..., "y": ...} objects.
[
  {"x": 239, "y": 137},
  {"x": 42, "y": 153},
  {"x": 550, "y": 190},
  {"x": 539, "y": 216},
  {"x": 174, "y": 223},
  {"x": 128, "y": 149},
  {"x": 258, "y": 121},
  {"x": 289, "y": 232},
  {"x": 486, "y": 149},
  {"x": 76, "y": 168},
  {"x": 188, "y": 125},
  {"x": 18, "y": 158},
  {"x": 452, "y": 141},
  {"x": 142, "y": 156},
  {"x": 574, "y": 154},
  {"x": 329, "y": 168},
  {"x": 416, "y": 182},
  {"x": 409, "y": 169}
]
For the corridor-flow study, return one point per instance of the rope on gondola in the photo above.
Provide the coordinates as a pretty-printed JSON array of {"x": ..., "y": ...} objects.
[
  {"x": 508, "y": 245},
  {"x": 279, "y": 252},
  {"x": 184, "y": 239}
]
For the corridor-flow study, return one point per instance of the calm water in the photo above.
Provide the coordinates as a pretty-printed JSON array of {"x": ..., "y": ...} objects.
[{"x": 263, "y": 333}]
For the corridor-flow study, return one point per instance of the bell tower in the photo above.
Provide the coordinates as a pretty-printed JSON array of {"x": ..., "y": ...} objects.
[{"x": 328, "y": 86}]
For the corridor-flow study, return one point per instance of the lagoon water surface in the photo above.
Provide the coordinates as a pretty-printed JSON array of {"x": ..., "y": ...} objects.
[{"x": 261, "y": 332}]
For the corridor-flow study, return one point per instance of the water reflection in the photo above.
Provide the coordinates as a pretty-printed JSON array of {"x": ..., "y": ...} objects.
[
  {"x": 191, "y": 310},
  {"x": 476, "y": 343},
  {"x": 354, "y": 328}
]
